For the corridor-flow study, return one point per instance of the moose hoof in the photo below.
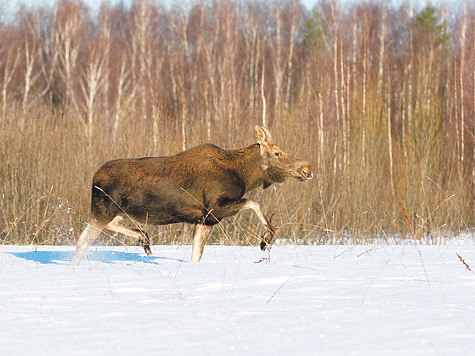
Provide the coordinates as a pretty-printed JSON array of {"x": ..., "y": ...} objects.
[
  {"x": 147, "y": 249},
  {"x": 263, "y": 245}
]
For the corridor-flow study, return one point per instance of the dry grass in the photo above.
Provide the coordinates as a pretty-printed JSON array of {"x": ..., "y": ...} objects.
[
  {"x": 46, "y": 174},
  {"x": 396, "y": 123}
]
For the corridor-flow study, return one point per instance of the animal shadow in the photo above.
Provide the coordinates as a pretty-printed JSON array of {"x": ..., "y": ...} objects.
[{"x": 104, "y": 256}]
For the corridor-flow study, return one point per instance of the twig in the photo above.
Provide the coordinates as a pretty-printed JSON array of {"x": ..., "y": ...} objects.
[
  {"x": 407, "y": 221},
  {"x": 465, "y": 263},
  {"x": 374, "y": 214},
  {"x": 19, "y": 217},
  {"x": 278, "y": 289},
  {"x": 451, "y": 202}
]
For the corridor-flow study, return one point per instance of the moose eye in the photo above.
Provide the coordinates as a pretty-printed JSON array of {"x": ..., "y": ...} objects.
[{"x": 278, "y": 154}]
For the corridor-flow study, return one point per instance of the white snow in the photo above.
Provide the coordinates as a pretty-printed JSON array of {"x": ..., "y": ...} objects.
[{"x": 309, "y": 300}]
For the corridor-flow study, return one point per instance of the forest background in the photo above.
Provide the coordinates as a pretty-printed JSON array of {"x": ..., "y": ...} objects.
[{"x": 379, "y": 99}]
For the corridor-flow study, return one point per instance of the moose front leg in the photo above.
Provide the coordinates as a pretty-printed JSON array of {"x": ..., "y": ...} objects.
[
  {"x": 243, "y": 204},
  {"x": 268, "y": 235}
]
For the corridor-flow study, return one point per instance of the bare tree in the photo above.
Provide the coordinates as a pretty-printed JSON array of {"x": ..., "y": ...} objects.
[
  {"x": 461, "y": 73},
  {"x": 382, "y": 39},
  {"x": 295, "y": 24},
  {"x": 31, "y": 52},
  {"x": 278, "y": 66},
  {"x": 93, "y": 79},
  {"x": 9, "y": 62},
  {"x": 140, "y": 39},
  {"x": 126, "y": 93},
  {"x": 178, "y": 52},
  {"x": 67, "y": 26}
]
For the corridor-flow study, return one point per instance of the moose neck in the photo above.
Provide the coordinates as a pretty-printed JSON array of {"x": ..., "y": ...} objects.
[{"x": 250, "y": 161}]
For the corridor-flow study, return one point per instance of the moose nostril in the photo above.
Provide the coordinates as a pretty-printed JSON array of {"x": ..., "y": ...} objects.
[{"x": 307, "y": 174}]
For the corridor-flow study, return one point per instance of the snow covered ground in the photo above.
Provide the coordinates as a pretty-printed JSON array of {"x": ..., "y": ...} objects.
[{"x": 309, "y": 300}]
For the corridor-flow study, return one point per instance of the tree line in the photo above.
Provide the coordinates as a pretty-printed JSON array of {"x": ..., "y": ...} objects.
[{"x": 379, "y": 98}]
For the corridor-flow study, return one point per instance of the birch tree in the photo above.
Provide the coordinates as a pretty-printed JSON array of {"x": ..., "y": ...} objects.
[
  {"x": 93, "y": 79},
  {"x": 9, "y": 62},
  {"x": 67, "y": 26}
]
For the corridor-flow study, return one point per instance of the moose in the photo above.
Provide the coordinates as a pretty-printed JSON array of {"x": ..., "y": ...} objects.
[{"x": 200, "y": 186}]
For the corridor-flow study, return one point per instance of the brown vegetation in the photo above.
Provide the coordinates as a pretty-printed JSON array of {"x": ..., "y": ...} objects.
[{"x": 380, "y": 100}]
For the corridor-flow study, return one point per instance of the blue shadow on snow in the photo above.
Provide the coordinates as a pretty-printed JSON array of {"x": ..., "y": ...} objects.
[{"x": 59, "y": 257}]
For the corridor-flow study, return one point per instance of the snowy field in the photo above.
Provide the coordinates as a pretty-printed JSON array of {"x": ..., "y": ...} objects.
[{"x": 309, "y": 300}]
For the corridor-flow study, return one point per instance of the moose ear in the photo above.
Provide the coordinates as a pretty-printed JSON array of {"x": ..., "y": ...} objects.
[{"x": 263, "y": 135}]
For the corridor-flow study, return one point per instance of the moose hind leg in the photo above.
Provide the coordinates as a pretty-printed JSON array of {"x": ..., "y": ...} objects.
[
  {"x": 87, "y": 237},
  {"x": 200, "y": 235},
  {"x": 135, "y": 233}
]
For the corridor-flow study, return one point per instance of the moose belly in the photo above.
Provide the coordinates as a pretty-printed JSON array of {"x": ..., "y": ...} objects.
[{"x": 161, "y": 209}]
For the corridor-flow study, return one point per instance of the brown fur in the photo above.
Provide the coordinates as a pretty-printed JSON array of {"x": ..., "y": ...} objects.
[{"x": 202, "y": 185}]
